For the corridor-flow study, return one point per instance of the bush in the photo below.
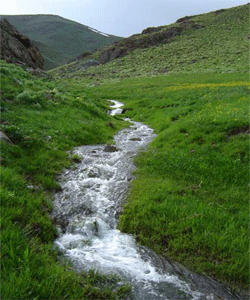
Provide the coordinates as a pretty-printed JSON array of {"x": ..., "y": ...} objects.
[{"x": 30, "y": 97}]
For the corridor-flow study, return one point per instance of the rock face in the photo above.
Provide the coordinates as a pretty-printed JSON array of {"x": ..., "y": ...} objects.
[
  {"x": 149, "y": 37},
  {"x": 17, "y": 48}
]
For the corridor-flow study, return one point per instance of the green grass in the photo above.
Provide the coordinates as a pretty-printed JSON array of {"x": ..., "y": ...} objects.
[
  {"x": 189, "y": 201},
  {"x": 44, "y": 118}
]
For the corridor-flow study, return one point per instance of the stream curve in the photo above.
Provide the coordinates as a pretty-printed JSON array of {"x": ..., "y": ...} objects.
[{"x": 87, "y": 209}]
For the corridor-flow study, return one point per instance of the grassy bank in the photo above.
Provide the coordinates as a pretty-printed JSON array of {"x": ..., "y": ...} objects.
[
  {"x": 44, "y": 118},
  {"x": 189, "y": 201}
]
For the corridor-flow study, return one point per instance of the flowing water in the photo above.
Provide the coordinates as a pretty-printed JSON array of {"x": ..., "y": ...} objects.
[{"x": 87, "y": 210}]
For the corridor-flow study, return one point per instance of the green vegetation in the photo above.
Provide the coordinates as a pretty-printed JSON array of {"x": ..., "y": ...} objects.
[
  {"x": 213, "y": 42},
  {"x": 44, "y": 118},
  {"x": 189, "y": 201},
  {"x": 59, "y": 40}
]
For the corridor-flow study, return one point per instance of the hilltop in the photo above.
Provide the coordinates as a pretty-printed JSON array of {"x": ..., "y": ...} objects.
[
  {"x": 59, "y": 40},
  {"x": 215, "y": 41}
]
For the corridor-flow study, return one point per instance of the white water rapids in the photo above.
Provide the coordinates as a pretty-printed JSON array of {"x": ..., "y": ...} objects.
[{"x": 87, "y": 210}]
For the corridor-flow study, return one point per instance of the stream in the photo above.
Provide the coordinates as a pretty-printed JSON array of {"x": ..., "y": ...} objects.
[{"x": 87, "y": 211}]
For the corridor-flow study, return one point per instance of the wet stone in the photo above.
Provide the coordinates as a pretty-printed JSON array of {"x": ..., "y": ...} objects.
[
  {"x": 136, "y": 139},
  {"x": 93, "y": 173},
  {"x": 110, "y": 148}
]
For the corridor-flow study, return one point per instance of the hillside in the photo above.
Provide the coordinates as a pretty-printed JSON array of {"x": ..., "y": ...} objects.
[
  {"x": 216, "y": 41},
  {"x": 59, "y": 39}
]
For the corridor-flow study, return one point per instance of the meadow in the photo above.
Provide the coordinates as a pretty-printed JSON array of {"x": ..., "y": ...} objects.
[{"x": 189, "y": 201}]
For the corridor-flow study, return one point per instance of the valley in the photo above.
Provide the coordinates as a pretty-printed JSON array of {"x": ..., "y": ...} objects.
[{"x": 188, "y": 201}]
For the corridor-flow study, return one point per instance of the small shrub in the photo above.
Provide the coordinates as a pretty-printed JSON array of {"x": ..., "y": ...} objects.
[{"x": 30, "y": 97}]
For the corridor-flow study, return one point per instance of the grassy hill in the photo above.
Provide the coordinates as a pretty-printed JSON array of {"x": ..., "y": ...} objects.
[
  {"x": 212, "y": 42},
  {"x": 59, "y": 39},
  {"x": 189, "y": 201}
]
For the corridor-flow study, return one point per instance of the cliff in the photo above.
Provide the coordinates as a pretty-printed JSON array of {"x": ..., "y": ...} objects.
[{"x": 17, "y": 48}]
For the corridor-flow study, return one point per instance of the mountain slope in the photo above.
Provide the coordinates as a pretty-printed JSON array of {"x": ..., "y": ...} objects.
[
  {"x": 216, "y": 41},
  {"x": 60, "y": 39}
]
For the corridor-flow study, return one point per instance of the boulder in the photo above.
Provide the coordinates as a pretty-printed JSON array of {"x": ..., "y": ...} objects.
[
  {"x": 110, "y": 148},
  {"x": 90, "y": 63}
]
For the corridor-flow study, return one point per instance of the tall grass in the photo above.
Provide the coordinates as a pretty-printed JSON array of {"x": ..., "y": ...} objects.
[{"x": 44, "y": 119}]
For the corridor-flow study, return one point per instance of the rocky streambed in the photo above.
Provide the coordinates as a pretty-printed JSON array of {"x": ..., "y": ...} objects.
[{"x": 87, "y": 209}]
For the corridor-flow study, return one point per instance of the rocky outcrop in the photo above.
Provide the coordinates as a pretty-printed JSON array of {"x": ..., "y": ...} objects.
[
  {"x": 149, "y": 37},
  {"x": 17, "y": 48}
]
